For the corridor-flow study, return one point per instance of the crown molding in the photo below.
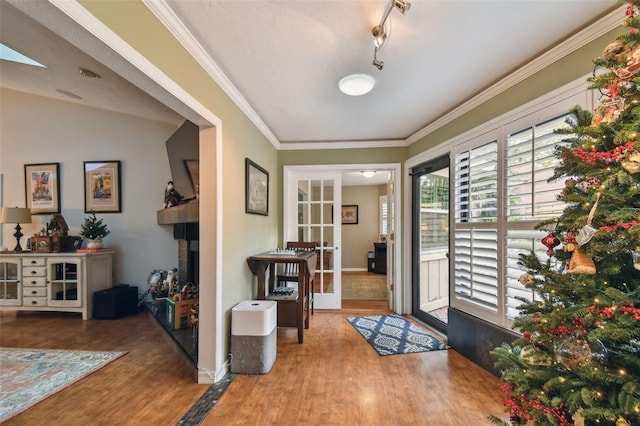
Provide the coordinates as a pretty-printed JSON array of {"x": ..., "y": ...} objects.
[
  {"x": 94, "y": 26},
  {"x": 168, "y": 18},
  {"x": 573, "y": 43},
  {"x": 391, "y": 143}
]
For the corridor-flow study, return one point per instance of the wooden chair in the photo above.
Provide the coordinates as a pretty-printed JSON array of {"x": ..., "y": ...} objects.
[{"x": 290, "y": 271}]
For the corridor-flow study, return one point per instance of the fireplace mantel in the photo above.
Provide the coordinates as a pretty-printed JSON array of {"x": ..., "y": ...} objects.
[{"x": 182, "y": 213}]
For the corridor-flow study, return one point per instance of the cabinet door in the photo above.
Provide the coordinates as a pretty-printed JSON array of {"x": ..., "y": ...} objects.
[
  {"x": 10, "y": 282},
  {"x": 64, "y": 282}
]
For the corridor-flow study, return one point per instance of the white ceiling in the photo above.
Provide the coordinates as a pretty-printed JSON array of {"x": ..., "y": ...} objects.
[{"x": 285, "y": 58}]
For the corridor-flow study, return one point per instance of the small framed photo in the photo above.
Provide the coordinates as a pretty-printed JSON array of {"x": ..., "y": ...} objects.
[
  {"x": 42, "y": 187},
  {"x": 102, "y": 187},
  {"x": 350, "y": 214},
  {"x": 256, "y": 189}
]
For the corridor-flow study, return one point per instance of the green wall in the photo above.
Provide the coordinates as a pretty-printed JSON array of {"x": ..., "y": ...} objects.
[
  {"x": 561, "y": 72},
  {"x": 242, "y": 234}
]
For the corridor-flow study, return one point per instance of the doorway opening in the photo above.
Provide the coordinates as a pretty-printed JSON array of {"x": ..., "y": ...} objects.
[{"x": 355, "y": 214}]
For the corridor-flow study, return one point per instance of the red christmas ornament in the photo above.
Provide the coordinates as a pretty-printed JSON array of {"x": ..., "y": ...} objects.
[{"x": 550, "y": 241}]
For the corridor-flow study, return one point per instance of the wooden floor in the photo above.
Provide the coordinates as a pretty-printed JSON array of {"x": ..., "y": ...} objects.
[{"x": 333, "y": 378}]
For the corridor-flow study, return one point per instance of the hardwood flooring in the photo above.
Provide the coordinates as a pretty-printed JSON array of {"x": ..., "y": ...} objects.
[{"x": 333, "y": 378}]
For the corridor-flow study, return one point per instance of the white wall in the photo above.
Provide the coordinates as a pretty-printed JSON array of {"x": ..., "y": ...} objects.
[
  {"x": 35, "y": 129},
  {"x": 358, "y": 239}
]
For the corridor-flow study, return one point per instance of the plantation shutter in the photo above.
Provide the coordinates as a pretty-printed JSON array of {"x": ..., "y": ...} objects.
[
  {"x": 530, "y": 198},
  {"x": 475, "y": 226}
]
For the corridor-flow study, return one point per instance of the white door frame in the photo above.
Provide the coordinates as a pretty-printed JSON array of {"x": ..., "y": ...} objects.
[
  {"x": 399, "y": 290},
  {"x": 329, "y": 299}
]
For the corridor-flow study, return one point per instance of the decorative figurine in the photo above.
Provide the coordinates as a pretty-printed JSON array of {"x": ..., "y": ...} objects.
[{"x": 171, "y": 196}]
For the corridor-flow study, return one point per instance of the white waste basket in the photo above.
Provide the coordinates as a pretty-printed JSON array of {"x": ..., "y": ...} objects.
[{"x": 253, "y": 336}]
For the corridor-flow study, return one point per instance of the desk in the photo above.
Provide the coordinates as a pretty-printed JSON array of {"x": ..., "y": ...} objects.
[{"x": 291, "y": 313}]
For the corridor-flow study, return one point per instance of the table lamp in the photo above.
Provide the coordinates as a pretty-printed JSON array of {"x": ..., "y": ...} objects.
[{"x": 16, "y": 215}]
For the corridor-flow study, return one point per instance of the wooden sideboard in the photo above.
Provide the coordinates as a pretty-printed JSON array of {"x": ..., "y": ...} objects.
[{"x": 63, "y": 282}]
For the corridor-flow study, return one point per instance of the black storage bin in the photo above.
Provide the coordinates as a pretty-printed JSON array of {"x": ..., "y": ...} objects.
[{"x": 116, "y": 302}]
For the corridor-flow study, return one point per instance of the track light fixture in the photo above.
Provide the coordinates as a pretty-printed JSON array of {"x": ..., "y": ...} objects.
[
  {"x": 376, "y": 63},
  {"x": 380, "y": 32}
]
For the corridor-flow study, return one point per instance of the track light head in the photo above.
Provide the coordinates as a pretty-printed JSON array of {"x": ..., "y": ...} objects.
[
  {"x": 378, "y": 64},
  {"x": 402, "y": 6},
  {"x": 380, "y": 34}
]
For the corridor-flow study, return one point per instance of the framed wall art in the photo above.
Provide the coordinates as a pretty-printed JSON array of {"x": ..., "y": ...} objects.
[
  {"x": 42, "y": 187},
  {"x": 102, "y": 187},
  {"x": 256, "y": 189},
  {"x": 350, "y": 214}
]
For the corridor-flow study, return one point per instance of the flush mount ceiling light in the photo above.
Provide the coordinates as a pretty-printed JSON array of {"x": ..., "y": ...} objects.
[
  {"x": 381, "y": 31},
  {"x": 368, "y": 173},
  {"x": 356, "y": 84}
]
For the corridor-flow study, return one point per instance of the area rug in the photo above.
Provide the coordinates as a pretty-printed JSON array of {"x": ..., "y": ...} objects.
[
  {"x": 27, "y": 376},
  {"x": 392, "y": 334},
  {"x": 363, "y": 286}
]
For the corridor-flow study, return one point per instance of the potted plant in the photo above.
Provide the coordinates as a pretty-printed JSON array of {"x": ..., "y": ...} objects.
[{"x": 94, "y": 230}]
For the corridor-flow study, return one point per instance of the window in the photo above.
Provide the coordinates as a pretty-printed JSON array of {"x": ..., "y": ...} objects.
[
  {"x": 434, "y": 211},
  {"x": 530, "y": 198},
  {"x": 501, "y": 192},
  {"x": 383, "y": 226}
]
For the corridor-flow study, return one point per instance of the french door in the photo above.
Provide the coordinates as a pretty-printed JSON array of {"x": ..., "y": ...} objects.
[
  {"x": 312, "y": 213},
  {"x": 430, "y": 242}
]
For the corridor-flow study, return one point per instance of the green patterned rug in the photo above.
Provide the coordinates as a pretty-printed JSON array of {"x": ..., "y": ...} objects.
[{"x": 27, "y": 376}]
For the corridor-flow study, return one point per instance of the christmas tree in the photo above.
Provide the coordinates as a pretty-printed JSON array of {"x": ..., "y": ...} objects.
[{"x": 578, "y": 358}]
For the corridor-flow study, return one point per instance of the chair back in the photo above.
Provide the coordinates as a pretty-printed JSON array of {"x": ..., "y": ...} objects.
[
  {"x": 303, "y": 245},
  {"x": 291, "y": 269}
]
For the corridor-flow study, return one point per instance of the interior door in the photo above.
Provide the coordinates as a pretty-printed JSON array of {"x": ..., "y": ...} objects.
[
  {"x": 430, "y": 245},
  {"x": 391, "y": 239},
  {"x": 313, "y": 213}
]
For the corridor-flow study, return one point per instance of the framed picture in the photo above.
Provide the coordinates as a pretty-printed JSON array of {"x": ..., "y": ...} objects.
[
  {"x": 193, "y": 168},
  {"x": 256, "y": 189},
  {"x": 102, "y": 187},
  {"x": 42, "y": 187},
  {"x": 350, "y": 214}
]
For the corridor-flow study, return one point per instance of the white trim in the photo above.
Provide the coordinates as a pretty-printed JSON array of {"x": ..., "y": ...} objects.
[
  {"x": 399, "y": 306},
  {"x": 567, "y": 91},
  {"x": 577, "y": 89},
  {"x": 390, "y": 143},
  {"x": 103, "y": 33},
  {"x": 99, "y": 30},
  {"x": 599, "y": 28},
  {"x": 168, "y": 18}
]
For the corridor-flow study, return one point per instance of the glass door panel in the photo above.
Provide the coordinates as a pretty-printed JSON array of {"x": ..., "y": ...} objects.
[
  {"x": 10, "y": 288},
  {"x": 316, "y": 201},
  {"x": 63, "y": 280},
  {"x": 430, "y": 244}
]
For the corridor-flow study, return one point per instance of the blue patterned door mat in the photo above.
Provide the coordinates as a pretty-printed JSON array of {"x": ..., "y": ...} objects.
[{"x": 392, "y": 334}]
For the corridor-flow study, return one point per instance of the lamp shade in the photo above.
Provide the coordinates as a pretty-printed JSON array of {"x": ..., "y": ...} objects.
[{"x": 15, "y": 215}]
